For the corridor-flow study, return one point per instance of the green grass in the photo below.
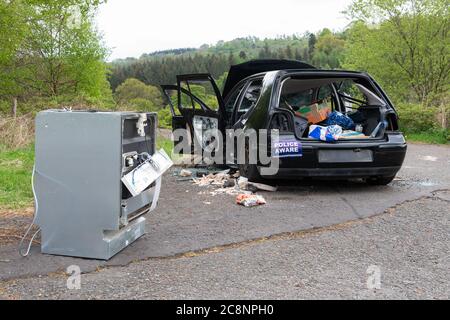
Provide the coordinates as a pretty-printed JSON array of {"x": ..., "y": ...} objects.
[
  {"x": 435, "y": 137},
  {"x": 165, "y": 144},
  {"x": 15, "y": 178}
]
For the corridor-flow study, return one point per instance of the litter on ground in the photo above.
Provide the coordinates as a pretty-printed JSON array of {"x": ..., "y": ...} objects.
[
  {"x": 250, "y": 200},
  {"x": 225, "y": 183}
]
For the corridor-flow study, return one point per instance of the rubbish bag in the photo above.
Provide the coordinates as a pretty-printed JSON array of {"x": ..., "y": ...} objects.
[
  {"x": 340, "y": 119},
  {"x": 329, "y": 134},
  {"x": 250, "y": 200}
]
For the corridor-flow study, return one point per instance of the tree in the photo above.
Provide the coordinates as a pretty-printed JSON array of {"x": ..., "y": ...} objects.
[
  {"x": 57, "y": 51},
  {"x": 311, "y": 43},
  {"x": 404, "y": 44},
  {"x": 288, "y": 52},
  {"x": 138, "y": 94},
  {"x": 13, "y": 29},
  {"x": 328, "y": 51}
]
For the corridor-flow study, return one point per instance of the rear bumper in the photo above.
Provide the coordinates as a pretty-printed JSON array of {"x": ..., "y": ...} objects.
[
  {"x": 286, "y": 173},
  {"x": 387, "y": 159}
]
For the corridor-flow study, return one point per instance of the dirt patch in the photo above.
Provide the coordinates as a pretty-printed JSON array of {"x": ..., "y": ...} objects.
[
  {"x": 13, "y": 224},
  {"x": 9, "y": 213}
]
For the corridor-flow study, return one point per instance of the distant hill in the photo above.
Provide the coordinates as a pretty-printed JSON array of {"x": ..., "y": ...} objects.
[{"x": 161, "y": 67}]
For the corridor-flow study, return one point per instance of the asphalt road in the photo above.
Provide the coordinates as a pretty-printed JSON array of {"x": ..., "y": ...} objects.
[{"x": 312, "y": 240}]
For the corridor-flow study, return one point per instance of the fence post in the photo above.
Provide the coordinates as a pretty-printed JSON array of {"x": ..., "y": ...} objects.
[{"x": 14, "y": 107}]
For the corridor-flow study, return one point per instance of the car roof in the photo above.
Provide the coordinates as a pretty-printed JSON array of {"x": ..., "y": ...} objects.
[{"x": 244, "y": 70}]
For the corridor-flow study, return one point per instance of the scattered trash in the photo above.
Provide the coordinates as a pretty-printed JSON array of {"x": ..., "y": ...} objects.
[
  {"x": 264, "y": 187},
  {"x": 213, "y": 179},
  {"x": 427, "y": 183},
  {"x": 185, "y": 173},
  {"x": 244, "y": 184},
  {"x": 250, "y": 200},
  {"x": 227, "y": 183}
]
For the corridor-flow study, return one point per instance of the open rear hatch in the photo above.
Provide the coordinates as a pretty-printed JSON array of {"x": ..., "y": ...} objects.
[{"x": 333, "y": 109}]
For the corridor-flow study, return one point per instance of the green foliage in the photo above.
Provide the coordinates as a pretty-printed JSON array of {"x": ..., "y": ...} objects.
[
  {"x": 440, "y": 136},
  {"x": 162, "y": 67},
  {"x": 328, "y": 50},
  {"x": 164, "y": 143},
  {"x": 15, "y": 177},
  {"x": 53, "y": 51},
  {"x": 136, "y": 95},
  {"x": 420, "y": 124},
  {"x": 405, "y": 45},
  {"x": 415, "y": 118},
  {"x": 134, "y": 89},
  {"x": 165, "y": 118}
]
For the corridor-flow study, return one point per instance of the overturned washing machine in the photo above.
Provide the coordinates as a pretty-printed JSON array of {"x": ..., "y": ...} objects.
[{"x": 96, "y": 176}]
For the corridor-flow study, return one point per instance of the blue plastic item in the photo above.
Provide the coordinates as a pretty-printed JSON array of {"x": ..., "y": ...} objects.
[
  {"x": 340, "y": 119},
  {"x": 329, "y": 134}
]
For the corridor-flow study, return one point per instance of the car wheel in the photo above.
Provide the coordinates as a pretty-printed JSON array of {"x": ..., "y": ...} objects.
[
  {"x": 380, "y": 181},
  {"x": 250, "y": 171}
]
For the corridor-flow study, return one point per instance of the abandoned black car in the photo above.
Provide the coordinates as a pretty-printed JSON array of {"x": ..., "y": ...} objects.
[{"x": 330, "y": 123}]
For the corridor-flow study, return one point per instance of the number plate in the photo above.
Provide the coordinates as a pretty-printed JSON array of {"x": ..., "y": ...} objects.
[{"x": 340, "y": 156}]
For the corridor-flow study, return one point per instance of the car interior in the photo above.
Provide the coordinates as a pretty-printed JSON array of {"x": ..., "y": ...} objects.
[{"x": 351, "y": 97}]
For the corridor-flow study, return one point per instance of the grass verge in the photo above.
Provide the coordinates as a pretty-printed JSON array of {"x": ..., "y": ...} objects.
[
  {"x": 15, "y": 177},
  {"x": 434, "y": 137}
]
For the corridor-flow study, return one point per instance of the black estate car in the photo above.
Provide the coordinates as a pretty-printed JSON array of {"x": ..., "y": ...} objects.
[{"x": 341, "y": 123}]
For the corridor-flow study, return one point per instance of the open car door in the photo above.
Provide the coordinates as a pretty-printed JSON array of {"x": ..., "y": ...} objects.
[{"x": 197, "y": 107}]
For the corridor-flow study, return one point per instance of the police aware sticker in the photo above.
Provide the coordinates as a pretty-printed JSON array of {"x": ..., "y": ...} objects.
[{"x": 287, "y": 148}]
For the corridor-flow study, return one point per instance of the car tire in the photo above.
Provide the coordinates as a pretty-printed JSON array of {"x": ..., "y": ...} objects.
[
  {"x": 380, "y": 181},
  {"x": 250, "y": 171}
]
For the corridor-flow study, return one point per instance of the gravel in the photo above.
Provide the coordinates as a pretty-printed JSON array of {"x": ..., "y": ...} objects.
[{"x": 409, "y": 244}]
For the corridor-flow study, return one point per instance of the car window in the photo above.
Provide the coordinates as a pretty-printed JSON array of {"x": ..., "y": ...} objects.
[
  {"x": 324, "y": 92},
  {"x": 202, "y": 90},
  {"x": 250, "y": 97},
  {"x": 348, "y": 88},
  {"x": 229, "y": 104},
  {"x": 172, "y": 94},
  {"x": 296, "y": 100}
]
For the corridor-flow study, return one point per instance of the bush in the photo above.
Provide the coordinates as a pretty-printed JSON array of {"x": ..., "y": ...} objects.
[
  {"x": 16, "y": 132},
  {"x": 423, "y": 124},
  {"x": 165, "y": 118},
  {"x": 417, "y": 119}
]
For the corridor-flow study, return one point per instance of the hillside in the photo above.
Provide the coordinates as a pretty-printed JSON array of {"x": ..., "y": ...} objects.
[{"x": 162, "y": 66}]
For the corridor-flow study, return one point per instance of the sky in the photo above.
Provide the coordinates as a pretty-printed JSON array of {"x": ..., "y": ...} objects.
[{"x": 133, "y": 27}]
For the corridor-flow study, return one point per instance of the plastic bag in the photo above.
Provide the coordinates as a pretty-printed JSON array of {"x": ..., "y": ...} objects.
[
  {"x": 340, "y": 119},
  {"x": 250, "y": 200},
  {"x": 330, "y": 133}
]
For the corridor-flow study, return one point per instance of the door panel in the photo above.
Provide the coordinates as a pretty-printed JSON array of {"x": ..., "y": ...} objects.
[{"x": 201, "y": 105}]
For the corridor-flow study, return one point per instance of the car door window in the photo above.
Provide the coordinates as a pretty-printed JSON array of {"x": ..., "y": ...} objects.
[
  {"x": 230, "y": 103},
  {"x": 203, "y": 91},
  {"x": 249, "y": 98},
  {"x": 172, "y": 97}
]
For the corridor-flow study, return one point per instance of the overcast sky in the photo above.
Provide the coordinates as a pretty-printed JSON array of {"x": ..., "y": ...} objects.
[{"x": 133, "y": 27}]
